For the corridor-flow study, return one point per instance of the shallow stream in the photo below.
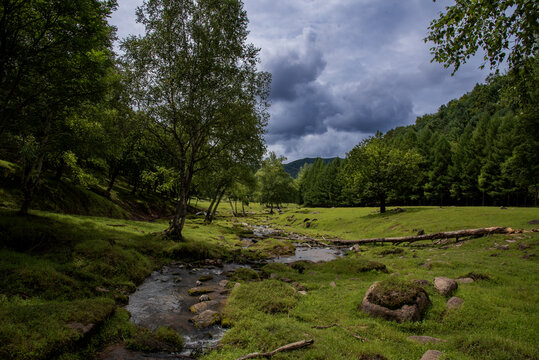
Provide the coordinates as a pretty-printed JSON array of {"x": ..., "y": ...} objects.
[{"x": 163, "y": 298}]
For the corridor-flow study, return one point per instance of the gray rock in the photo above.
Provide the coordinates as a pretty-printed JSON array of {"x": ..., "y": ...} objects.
[
  {"x": 355, "y": 248},
  {"x": 425, "y": 339},
  {"x": 302, "y": 292},
  {"x": 405, "y": 313},
  {"x": 466, "y": 280},
  {"x": 206, "y": 318},
  {"x": 431, "y": 355},
  {"x": 445, "y": 286},
  {"x": 237, "y": 285},
  {"x": 202, "y": 306},
  {"x": 454, "y": 303},
  {"x": 223, "y": 283}
]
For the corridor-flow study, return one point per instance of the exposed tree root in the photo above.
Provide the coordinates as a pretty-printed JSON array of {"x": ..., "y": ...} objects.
[{"x": 288, "y": 347}]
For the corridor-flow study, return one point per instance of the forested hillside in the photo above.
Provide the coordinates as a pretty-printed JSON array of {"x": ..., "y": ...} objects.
[
  {"x": 481, "y": 149},
  {"x": 295, "y": 166}
]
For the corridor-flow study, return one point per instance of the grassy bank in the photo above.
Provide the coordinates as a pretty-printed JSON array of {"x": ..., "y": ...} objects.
[
  {"x": 498, "y": 319},
  {"x": 60, "y": 271},
  {"x": 357, "y": 223}
]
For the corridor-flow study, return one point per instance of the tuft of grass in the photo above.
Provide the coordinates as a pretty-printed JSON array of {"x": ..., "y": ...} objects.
[
  {"x": 245, "y": 274},
  {"x": 352, "y": 265},
  {"x": 270, "y": 297}
]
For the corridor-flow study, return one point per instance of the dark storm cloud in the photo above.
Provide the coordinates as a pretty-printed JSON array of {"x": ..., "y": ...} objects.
[
  {"x": 343, "y": 69},
  {"x": 295, "y": 68},
  {"x": 306, "y": 115},
  {"x": 372, "y": 109}
]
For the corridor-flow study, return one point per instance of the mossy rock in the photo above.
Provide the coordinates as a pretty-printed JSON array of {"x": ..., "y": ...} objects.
[
  {"x": 163, "y": 340},
  {"x": 199, "y": 291},
  {"x": 205, "y": 278},
  {"x": 396, "y": 300},
  {"x": 393, "y": 293},
  {"x": 476, "y": 276}
]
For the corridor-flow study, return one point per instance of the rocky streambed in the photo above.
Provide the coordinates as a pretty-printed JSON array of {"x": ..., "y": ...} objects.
[
  {"x": 185, "y": 298},
  {"x": 189, "y": 298}
]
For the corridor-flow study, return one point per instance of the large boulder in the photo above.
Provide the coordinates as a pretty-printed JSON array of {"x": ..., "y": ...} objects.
[
  {"x": 395, "y": 300},
  {"x": 445, "y": 286}
]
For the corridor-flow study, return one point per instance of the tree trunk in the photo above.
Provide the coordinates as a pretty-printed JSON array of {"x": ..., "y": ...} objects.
[
  {"x": 271, "y": 208},
  {"x": 207, "y": 217},
  {"x": 382, "y": 204},
  {"x": 31, "y": 176},
  {"x": 243, "y": 208},
  {"x": 435, "y": 236},
  {"x": 217, "y": 205},
  {"x": 231, "y": 206},
  {"x": 112, "y": 180}
]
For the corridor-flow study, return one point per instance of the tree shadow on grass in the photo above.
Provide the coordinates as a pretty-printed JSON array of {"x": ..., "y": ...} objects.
[{"x": 393, "y": 212}]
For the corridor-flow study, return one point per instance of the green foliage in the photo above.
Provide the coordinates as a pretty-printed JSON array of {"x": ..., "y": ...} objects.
[
  {"x": 276, "y": 186},
  {"x": 504, "y": 30},
  {"x": 194, "y": 75},
  {"x": 377, "y": 170},
  {"x": 319, "y": 184}
]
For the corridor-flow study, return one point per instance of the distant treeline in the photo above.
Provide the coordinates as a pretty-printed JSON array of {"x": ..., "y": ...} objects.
[{"x": 481, "y": 149}]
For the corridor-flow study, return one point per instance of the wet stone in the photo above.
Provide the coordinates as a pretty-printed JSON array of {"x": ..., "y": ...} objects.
[
  {"x": 202, "y": 306},
  {"x": 206, "y": 319},
  {"x": 199, "y": 291},
  {"x": 204, "y": 297}
]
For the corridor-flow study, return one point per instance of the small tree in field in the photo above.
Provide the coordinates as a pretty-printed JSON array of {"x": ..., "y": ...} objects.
[
  {"x": 377, "y": 170},
  {"x": 276, "y": 185}
]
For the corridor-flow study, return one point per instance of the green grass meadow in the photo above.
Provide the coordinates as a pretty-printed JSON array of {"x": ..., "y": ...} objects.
[{"x": 60, "y": 269}]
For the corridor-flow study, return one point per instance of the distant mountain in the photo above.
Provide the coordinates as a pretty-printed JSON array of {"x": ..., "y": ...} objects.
[{"x": 293, "y": 167}]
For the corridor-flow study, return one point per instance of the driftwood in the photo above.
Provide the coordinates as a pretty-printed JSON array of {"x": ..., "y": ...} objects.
[
  {"x": 288, "y": 347},
  {"x": 436, "y": 236}
]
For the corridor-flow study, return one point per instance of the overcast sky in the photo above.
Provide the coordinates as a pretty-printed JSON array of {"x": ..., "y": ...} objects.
[{"x": 342, "y": 69}]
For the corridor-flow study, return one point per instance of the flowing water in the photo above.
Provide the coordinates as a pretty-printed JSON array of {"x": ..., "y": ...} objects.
[{"x": 163, "y": 298}]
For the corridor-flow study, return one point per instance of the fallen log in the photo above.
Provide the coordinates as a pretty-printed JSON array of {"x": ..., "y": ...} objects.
[
  {"x": 288, "y": 347},
  {"x": 435, "y": 236}
]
